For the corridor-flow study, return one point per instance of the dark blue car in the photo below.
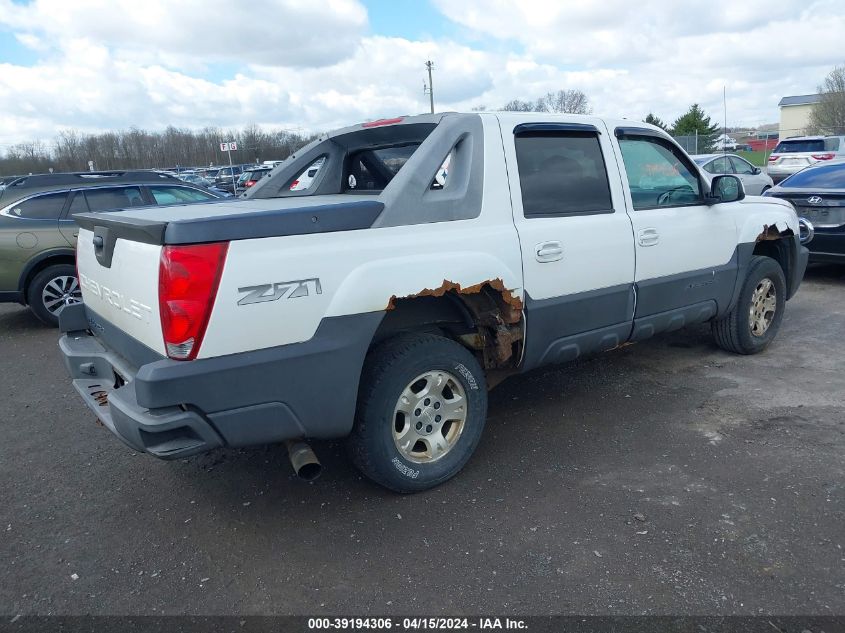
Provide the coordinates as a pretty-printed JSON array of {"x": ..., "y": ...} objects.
[{"x": 818, "y": 194}]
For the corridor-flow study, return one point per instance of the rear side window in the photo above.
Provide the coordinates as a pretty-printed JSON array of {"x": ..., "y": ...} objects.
[
  {"x": 562, "y": 173},
  {"x": 719, "y": 165},
  {"x": 178, "y": 195},
  {"x": 44, "y": 207},
  {"x": 110, "y": 198},
  {"x": 792, "y": 147}
]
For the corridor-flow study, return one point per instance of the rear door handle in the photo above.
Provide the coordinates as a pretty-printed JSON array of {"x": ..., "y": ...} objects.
[
  {"x": 648, "y": 237},
  {"x": 548, "y": 251}
]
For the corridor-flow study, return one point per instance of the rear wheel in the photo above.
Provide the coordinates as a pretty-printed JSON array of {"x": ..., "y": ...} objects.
[
  {"x": 421, "y": 409},
  {"x": 755, "y": 319},
  {"x": 51, "y": 290}
]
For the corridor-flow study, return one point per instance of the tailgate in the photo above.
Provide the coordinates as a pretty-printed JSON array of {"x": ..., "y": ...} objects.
[{"x": 122, "y": 291}]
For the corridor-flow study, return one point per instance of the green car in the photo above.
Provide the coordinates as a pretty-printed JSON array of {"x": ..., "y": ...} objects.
[{"x": 38, "y": 233}]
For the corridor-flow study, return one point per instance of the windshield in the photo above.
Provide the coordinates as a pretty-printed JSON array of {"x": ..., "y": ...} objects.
[{"x": 824, "y": 177}]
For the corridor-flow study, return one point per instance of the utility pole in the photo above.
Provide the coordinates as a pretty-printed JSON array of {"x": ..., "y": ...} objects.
[{"x": 430, "y": 64}]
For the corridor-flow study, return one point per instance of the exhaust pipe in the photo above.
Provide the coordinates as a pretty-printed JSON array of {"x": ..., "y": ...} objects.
[{"x": 305, "y": 463}]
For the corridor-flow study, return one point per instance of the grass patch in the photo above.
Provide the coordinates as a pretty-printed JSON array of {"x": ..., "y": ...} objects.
[{"x": 755, "y": 158}]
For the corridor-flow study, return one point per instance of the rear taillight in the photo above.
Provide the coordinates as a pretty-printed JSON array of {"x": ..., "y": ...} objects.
[
  {"x": 773, "y": 157},
  {"x": 249, "y": 183},
  {"x": 188, "y": 277},
  {"x": 823, "y": 156},
  {"x": 294, "y": 184}
]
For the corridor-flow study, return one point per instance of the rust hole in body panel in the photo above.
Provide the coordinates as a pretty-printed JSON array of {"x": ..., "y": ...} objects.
[
  {"x": 448, "y": 286},
  {"x": 771, "y": 232},
  {"x": 496, "y": 313}
]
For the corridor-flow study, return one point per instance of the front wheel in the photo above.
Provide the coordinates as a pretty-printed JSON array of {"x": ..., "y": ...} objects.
[
  {"x": 422, "y": 404},
  {"x": 755, "y": 319}
]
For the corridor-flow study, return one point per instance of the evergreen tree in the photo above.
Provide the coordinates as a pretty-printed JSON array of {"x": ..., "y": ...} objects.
[
  {"x": 655, "y": 120},
  {"x": 696, "y": 123}
]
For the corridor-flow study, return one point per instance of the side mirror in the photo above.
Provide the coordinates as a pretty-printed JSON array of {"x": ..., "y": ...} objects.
[
  {"x": 756, "y": 171},
  {"x": 726, "y": 189}
]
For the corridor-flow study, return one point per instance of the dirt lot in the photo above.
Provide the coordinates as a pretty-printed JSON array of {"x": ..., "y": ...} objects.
[{"x": 666, "y": 477}]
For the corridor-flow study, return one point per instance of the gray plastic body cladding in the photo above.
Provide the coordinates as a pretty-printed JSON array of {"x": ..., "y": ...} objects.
[
  {"x": 113, "y": 338},
  {"x": 289, "y": 384},
  {"x": 176, "y": 408},
  {"x": 409, "y": 199},
  {"x": 335, "y": 146},
  {"x": 682, "y": 290},
  {"x": 561, "y": 329}
]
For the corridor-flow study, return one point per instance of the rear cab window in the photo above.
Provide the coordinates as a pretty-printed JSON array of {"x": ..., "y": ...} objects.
[{"x": 373, "y": 169}]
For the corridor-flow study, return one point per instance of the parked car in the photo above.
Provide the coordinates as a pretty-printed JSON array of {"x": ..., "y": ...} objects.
[
  {"x": 818, "y": 194},
  {"x": 250, "y": 177},
  {"x": 377, "y": 306},
  {"x": 744, "y": 147},
  {"x": 38, "y": 233},
  {"x": 205, "y": 183},
  {"x": 794, "y": 154},
  {"x": 225, "y": 180},
  {"x": 753, "y": 179}
]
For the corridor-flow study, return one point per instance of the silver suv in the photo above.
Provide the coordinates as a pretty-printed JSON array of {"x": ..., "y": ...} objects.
[{"x": 794, "y": 154}]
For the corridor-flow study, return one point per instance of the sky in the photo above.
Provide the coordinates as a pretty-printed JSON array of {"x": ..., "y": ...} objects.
[{"x": 93, "y": 65}]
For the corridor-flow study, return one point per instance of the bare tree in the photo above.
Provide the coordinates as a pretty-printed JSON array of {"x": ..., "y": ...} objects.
[
  {"x": 517, "y": 105},
  {"x": 141, "y": 149},
  {"x": 828, "y": 115},
  {"x": 570, "y": 101}
]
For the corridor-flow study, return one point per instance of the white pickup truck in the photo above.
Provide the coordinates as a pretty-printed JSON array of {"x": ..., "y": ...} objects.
[{"x": 427, "y": 258}]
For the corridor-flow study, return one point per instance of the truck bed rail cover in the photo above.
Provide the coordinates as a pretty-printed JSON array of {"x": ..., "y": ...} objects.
[{"x": 194, "y": 224}]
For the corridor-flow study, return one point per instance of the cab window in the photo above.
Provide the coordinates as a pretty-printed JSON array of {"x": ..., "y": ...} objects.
[
  {"x": 658, "y": 173},
  {"x": 562, "y": 173}
]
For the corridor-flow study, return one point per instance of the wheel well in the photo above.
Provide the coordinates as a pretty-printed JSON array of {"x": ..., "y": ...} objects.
[
  {"x": 51, "y": 260},
  {"x": 485, "y": 318},
  {"x": 779, "y": 251}
]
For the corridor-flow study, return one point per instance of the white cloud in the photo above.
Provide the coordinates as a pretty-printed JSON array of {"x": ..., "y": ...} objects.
[
  {"x": 106, "y": 65},
  {"x": 272, "y": 32}
]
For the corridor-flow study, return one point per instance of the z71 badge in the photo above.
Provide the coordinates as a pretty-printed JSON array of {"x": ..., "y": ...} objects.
[{"x": 279, "y": 290}]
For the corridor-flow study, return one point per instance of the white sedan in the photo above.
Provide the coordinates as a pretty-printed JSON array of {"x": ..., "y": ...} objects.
[{"x": 754, "y": 180}]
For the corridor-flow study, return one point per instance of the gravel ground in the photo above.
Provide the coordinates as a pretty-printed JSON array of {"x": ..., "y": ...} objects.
[{"x": 666, "y": 477}]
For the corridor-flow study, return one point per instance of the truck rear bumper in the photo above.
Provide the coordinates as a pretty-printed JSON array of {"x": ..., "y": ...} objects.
[{"x": 172, "y": 409}]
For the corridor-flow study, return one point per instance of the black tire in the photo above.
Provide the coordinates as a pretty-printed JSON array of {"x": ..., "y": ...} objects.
[
  {"x": 764, "y": 189},
  {"x": 733, "y": 332},
  {"x": 388, "y": 371},
  {"x": 35, "y": 291}
]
